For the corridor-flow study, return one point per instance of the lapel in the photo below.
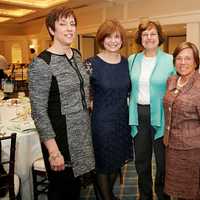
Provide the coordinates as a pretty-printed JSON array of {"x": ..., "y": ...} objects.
[
  {"x": 186, "y": 87},
  {"x": 156, "y": 68}
]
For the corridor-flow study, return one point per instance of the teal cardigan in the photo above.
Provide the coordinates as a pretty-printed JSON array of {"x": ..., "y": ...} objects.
[{"x": 162, "y": 70}]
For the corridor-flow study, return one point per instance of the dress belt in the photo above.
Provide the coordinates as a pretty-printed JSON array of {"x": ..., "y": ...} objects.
[{"x": 143, "y": 105}]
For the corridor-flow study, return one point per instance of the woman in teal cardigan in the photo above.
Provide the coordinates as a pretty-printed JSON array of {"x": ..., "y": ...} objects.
[{"x": 149, "y": 71}]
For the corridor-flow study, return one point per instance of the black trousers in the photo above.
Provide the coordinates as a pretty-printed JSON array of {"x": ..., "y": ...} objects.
[
  {"x": 144, "y": 145},
  {"x": 62, "y": 184}
]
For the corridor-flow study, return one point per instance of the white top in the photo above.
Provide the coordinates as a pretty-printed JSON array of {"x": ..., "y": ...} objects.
[{"x": 147, "y": 66}]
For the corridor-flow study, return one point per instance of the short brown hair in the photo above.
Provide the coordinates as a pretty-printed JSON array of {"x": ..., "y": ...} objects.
[
  {"x": 107, "y": 28},
  {"x": 55, "y": 15},
  {"x": 148, "y": 25},
  {"x": 185, "y": 45}
]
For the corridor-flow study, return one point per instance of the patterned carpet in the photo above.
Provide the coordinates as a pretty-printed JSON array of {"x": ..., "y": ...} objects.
[{"x": 126, "y": 191}]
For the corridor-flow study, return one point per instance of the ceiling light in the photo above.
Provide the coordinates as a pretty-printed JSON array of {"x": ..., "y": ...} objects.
[
  {"x": 34, "y": 3},
  {"x": 3, "y": 19},
  {"x": 15, "y": 12}
]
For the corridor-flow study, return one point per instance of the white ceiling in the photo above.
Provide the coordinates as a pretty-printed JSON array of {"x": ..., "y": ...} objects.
[{"x": 22, "y": 11}]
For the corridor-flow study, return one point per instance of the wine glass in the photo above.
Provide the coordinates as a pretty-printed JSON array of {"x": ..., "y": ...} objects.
[
  {"x": 1, "y": 96},
  {"x": 21, "y": 95}
]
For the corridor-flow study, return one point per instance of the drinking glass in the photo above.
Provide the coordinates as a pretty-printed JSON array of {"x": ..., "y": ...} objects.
[{"x": 1, "y": 95}]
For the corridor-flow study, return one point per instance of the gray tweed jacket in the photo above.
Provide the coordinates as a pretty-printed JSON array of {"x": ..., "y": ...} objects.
[{"x": 73, "y": 83}]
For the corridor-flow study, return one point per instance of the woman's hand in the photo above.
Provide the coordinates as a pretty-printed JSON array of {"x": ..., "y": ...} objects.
[
  {"x": 56, "y": 159},
  {"x": 90, "y": 107},
  {"x": 166, "y": 139}
]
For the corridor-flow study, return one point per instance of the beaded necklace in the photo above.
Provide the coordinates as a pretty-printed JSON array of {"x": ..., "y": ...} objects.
[{"x": 179, "y": 85}]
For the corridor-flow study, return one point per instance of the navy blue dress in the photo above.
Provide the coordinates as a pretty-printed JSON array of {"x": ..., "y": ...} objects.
[{"x": 112, "y": 140}]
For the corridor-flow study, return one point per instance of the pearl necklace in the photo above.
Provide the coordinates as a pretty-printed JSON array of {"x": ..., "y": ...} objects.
[{"x": 179, "y": 85}]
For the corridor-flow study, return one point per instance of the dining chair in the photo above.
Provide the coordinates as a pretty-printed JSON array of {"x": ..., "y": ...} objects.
[
  {"x": 9, "y": 181},
  {"x": 40, "y": 178}
]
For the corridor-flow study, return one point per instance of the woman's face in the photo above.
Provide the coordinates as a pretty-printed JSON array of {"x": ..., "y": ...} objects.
[
  {"x": 150, "y": 39},
  {"x": 185, "y": 63},
  {"x": 65, "y": 29},
  {"x": 113, "y": 42}
]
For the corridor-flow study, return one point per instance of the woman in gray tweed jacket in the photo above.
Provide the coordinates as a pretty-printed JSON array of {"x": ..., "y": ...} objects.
[{"x": 59, "y": 94}]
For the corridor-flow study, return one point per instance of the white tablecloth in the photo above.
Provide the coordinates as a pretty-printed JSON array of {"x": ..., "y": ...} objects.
[{"x": 27, "y": 147}]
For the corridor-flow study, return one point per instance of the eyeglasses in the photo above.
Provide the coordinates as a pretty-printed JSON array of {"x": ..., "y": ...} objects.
[
  {"x": 185, "y": 59},
  {"x": 152, "y": 35}
]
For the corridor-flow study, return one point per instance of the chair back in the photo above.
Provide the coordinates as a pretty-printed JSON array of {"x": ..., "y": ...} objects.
[{"x": 7, "y": 166}]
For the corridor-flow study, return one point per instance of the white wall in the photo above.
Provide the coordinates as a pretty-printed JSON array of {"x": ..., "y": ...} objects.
[{"x": 129, "y": 12}]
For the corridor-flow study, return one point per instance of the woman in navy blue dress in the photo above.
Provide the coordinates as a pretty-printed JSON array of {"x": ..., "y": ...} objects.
[{"x": 110, "y": 86}]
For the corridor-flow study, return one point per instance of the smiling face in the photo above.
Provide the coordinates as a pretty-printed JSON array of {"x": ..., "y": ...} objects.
[
  {"x": 150, "y": 39},
  {"x": 113, "y": 42},
  {"x": 65, "y": 29},
  {"x": 185, "y": 63}
]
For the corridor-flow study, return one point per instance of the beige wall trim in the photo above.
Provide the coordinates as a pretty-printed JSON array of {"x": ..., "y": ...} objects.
[{"x": 175, "y": 18}]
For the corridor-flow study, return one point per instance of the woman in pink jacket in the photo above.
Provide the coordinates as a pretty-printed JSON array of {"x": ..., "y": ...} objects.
[{"x": 182, "y": 125}]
